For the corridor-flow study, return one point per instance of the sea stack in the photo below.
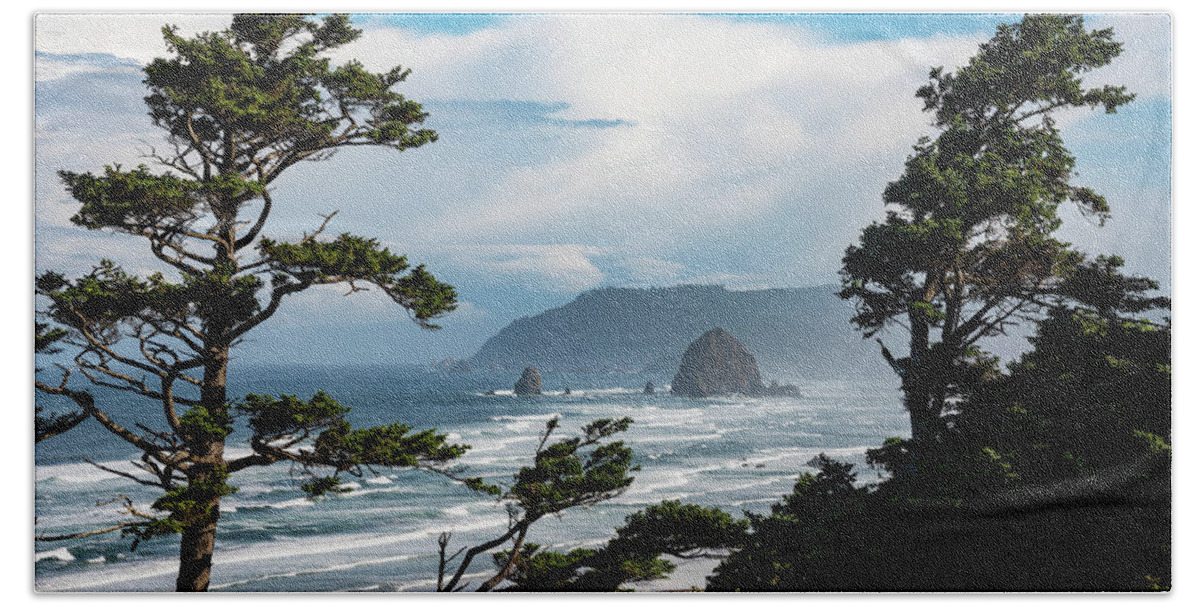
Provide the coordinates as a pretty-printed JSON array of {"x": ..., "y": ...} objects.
[
  {"x": 717, "y": 364},
  {"x": 649, "y": 390},
  {"x": 530, "y": 382}
]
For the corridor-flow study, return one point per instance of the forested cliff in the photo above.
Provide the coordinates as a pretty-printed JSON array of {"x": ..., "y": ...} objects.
[{"x": 794, "y": 333}]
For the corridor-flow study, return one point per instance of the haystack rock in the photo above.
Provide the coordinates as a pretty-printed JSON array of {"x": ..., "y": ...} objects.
[
  {"x": 649, "y": 390},
  {"x": 717, "y": 364},
  {"x": 530, "y": 382}
]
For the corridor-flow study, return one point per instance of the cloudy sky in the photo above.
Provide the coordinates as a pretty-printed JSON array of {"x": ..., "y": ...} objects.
[{"x": 579, "y": 151}]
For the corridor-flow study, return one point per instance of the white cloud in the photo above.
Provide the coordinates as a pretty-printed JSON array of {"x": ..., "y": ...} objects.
[
  {"x": 724, "y": 122},
  {"x": 136, "y": 36},
  {"x": 651, "y": 270},
  {"x": 53, "y": 67},
  {"x": 758, "y": 138},
  {"x": 565, "y": 268},
  {"x": 1145, "y": 47}
]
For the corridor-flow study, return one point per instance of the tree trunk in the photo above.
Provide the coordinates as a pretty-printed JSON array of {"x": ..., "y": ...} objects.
[
  {"x": 200, "y": 527},
  {"x": 196, "y": 549},
  {"x": 922, "y": 396},
  {"x": 505, "y": 570},
  {"x": 916, "y": 379}
]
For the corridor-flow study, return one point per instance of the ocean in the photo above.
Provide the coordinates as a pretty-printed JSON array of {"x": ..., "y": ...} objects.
[{"x": 737, "y": 453}]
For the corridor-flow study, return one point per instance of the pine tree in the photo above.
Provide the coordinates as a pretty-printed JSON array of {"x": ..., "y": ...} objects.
[
  {"x": 968, "y": 246},
  {"x": 239, "y": 107}
]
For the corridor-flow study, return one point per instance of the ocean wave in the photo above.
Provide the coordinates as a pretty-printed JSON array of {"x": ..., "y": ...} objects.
[
  {"x": 280, "y": 550},
  {"x": 61, "y": 554},
  {"x": 81, "y": 473},
  {"x": 727, "y": 452},
  {"x": 526, "y": 418}
]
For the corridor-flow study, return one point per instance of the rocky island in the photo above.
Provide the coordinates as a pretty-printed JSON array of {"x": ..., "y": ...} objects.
[
  {"x": 716, "y": 363},
  {"x": 530, "y": 382}
]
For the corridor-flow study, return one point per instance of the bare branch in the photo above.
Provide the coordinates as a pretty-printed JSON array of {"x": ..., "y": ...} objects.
[
  {"x": 130, "y": 476},
  {"x": 319, "y": 230},
  {"x": 129, "y": 509},
  {"x": 477, "y": 549},
  {"x": 248, "y": 238},
  {"x": 88, "y": 404}
]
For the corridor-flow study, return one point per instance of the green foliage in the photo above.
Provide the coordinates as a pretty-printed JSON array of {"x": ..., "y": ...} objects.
[
  {"x": 45, "y": 338},
  {"x": 1155, "y": 444},
  {"x": 1038, "y": 59},
  {"x": 892, "y": 456},
  {"x": 279, "y": 423},
  {"x": 138, "y": 201},
  {"x": 478, "y": 485},
  {"x": 635, "y": 555},
  {"x": 273, "y": 417},
  {"x": 564, "y": 475},
  {"x": 350, "y": 258},
  {"x": 390, "y": 445},
  {"x": 320, "y": 486},
  {"x": 1090, "y": 392},
  {"x": 107, "y": 297},
  {"x": 47, "y": 425},
  {"x": 1069, "y": 450},
  {"x": 851, "y": 540},
  {"x": 265, "y": 78},
  {"x": 200, "y": 421},
  {"x": 188, "y": 504},
  {"x": 677, "y": 529},
  {"x": 579, "y": 471},
  {"x": 1099, "y": 287},
  {"x": 579, "y": 570},
  {"x": 130, "y": 200},
  {"x": 792, "y": 548}
]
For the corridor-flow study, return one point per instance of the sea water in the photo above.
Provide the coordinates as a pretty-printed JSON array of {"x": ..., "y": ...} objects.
[{"x": 737, "y": 453}]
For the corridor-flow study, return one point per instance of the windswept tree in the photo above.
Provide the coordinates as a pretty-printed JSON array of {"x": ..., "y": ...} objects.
[
  {"x": 682, "y": 531},
  {"x": 580, "y": 471},
  {"x": 239, "y": 107},
  {"x": 968, "y": 246}
]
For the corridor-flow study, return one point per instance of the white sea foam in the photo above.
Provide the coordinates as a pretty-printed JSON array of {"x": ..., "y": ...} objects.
[
  {"x": 81, "y": 473},
  {"x": 688, "y": 450},
  {"x": 280, "y": 551},
  {"x": 61, "y": 554},
  {"x": 456, "y": 511},
  {"x": 527, "y": 418},
  {"x": 334, "y": 568},
  {"x": 290, "y": 504}
]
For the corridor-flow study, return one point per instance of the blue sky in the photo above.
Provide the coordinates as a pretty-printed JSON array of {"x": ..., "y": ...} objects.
[{"x": 579, "y": 151}]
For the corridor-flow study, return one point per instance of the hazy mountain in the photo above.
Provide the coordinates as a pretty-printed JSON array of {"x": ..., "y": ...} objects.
[{"x": 794, "y": 333}]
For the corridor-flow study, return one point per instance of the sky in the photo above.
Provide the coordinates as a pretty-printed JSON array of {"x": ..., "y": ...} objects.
[{"x": 580, "y": 151}]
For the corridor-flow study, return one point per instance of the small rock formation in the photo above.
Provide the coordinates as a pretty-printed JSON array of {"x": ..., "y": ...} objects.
[
  {"x": 452, "y": 366},
  {"x": 649, "y": 390},
  {"x": 530, "y": 382},
  {"x": 717, "y": 364},
  {"x": 782, "y": 390},
  {"x": 567, "y": 391}
]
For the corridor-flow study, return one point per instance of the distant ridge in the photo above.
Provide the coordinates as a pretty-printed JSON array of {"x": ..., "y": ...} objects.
[{"x": 794, "y": 332}]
